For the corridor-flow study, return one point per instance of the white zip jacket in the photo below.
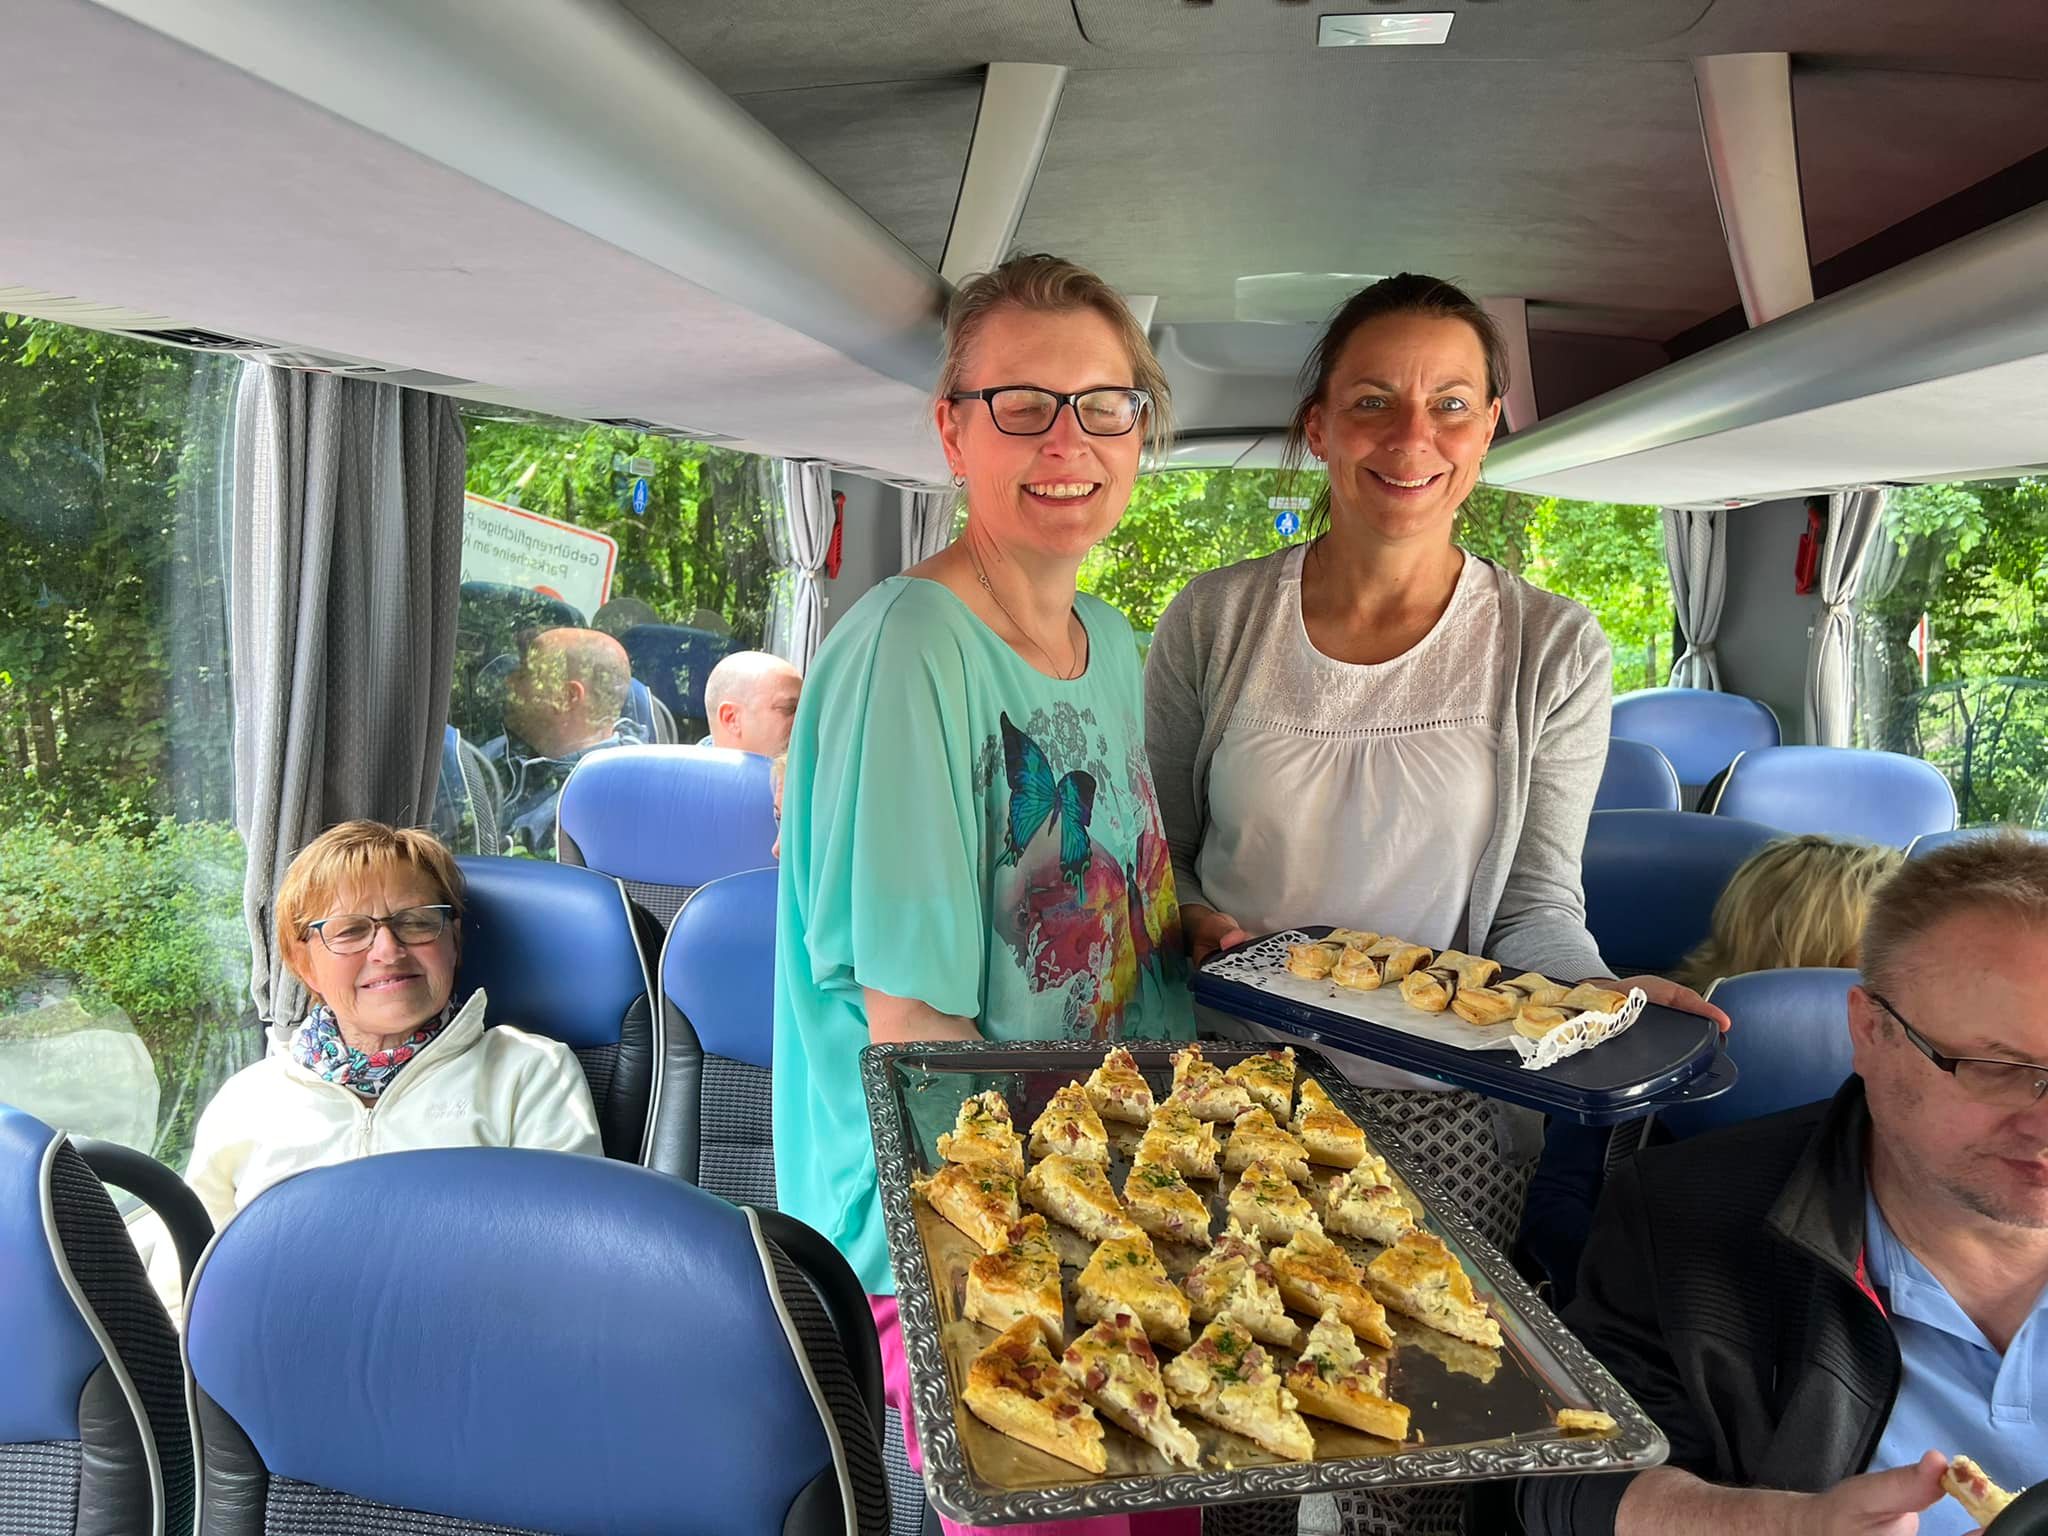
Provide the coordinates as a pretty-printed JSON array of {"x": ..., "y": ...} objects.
[{"x": 470, "y": 1087}]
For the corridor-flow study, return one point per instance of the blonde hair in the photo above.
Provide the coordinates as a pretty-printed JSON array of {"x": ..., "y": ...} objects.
[
  {"x": 353, "y": 855},
  {"x": 2003, "y": 870},
  {"x": 1052, "y": 285},
  {"x": 1794, "y": 902}
]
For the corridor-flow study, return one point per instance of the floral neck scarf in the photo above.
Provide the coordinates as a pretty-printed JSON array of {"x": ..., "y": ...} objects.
[{"x": 321, "y": 1050}]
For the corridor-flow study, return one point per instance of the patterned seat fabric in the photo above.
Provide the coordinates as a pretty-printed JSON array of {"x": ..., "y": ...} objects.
[
  {"x": 556, "y": 1385},
  {"x": 93, "y": 1433},
  {"x": 558, "y": 952}
]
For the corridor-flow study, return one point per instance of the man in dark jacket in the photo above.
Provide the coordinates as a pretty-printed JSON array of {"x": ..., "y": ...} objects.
[{"x": 1820, "y": 1307}]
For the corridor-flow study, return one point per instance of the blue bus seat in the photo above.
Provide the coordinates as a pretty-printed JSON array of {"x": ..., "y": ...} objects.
[
  {"x": 1788, "y": 1034},
  {"x": 1700, "y": 731},
  {"x": 1652, "y": 878},
  {"x": 665, "y": 820},
  {"x": 1637, "y": 778},
  {"x": 1879, "y": 797},
  {"x": 93, "y": 1431},
  {"x": 529, "y": 1340},
  {"x": 466, "y": 802},
  {"x": 675, "y": 661},
  {"x": 712, "y": 1123},
  {"x": 556, "y": 949},
  {"x": 1927, "y": 842}
]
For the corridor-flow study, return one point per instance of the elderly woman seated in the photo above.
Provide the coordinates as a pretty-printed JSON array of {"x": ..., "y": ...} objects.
[{"x": 369, "y": 918}]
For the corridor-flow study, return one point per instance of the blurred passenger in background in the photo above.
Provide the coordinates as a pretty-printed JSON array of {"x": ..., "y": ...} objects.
[
  {"x": 1794, "y": 902},
  {"x": 565, "y": 701},
  {"x": 750, "y": 698}
]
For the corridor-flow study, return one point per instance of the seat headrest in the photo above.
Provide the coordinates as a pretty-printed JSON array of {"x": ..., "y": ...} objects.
[
  {"x": 675, "y": 816},
  {"x": 1652, "y": 878},
  {"x": 536, "y": 1339},
  {"x": 718, "y": 965},
  {"x": 553, "y": 946},
  {"x": 1927, "y": 842},
  {"x": 1789, "y": 1036},
  {"x": 1637, "y": 778},
  {"x": 48, "y": 1349},
  {"x": 1699, "y": 729},
  {"x": 1879, "y": 797}
]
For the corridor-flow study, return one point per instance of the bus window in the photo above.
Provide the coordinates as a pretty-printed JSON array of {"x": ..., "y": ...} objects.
[
  {"x": 124, "y": 962},
  {"x": 605, "y": 572},
  {"x": 1952, "y": 643},
  {"x": 1610, "y": 558}
]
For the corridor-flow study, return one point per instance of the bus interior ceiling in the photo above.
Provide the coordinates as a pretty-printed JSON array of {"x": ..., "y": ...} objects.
[{"x": 731, "y": 220}]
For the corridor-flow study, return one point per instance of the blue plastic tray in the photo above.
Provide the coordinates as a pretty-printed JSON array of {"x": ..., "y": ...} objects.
[{"x": 1665, "y": 1057}]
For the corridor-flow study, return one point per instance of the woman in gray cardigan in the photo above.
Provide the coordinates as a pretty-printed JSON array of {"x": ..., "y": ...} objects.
[{"x": 1379, "y": 730}]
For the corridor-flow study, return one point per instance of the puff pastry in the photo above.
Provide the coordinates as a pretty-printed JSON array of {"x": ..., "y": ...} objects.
[
  {"x": 1473, "y": 970},
  {"x": 1486, "y": 1005},
  {"x": 1230, "y": 1381},
  {"x": 1351, "y": 938},
  {"x": 1316, "y": 1276},
  {"x": 982, "y": 1202},
  {"x": 1069, "y": 1126},
  {"x": 1018, "y": 1389},
  {"x": 1160, "y": 1200},
  {"x": 1179, "y": 1137},
  {"x": 1421, "y": 1277},
  {"x": 983, "y": 1135},
  {"x": 1266, "y": 1201},
  {"x": 1116, "y": 1370},
  {"x": 1397, "y": 957},
  {"x": 1312, "y": 962},
  {"x": 1965, "y": 1482},
  {"x": 1020, "y": 1279},
  {"x": 1430, "y": 990},
  {"x": 1595, "y": 999},
  {"x": 1256, "y": 1137},
  {"x": 1119, "y": 1090},
  {"x": 1078, "y": 1192},
  {"x": 1234, "y": 1280},
  {"x": 1535, "y": 988},
  {"x": 1358, "y": 970},
  {"x": 1125, "y": 1275},
  {"x": 1330, "y": 1136},
  {"x": 1336, "y": 1380},
  {"x": 1269, "y": 1078},
  {"x": 1200, "y": 1086}
]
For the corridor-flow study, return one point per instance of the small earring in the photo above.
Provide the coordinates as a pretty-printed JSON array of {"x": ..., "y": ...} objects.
[{"x": 959, "y": 481}]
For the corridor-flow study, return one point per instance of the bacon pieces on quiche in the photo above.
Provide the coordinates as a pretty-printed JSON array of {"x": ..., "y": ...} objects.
[
  {"x": 1116, "y": 1370},
  {"x": 1334, "y": 1379},
  {"x": 1331, "y": 1137},
  {"x": 1078, "y": 1192},
  {"x": 1018, "y": 1389},
  {"x": 983, "y": 1136},
  {"x": 1421, "y": 1277},
  {"x": 1266, "y": 1201},
  {"x": 1119, "y": 1090},
  {"x": 1125, "y": 1275},
  {"x": 982, "y": 1202},
  {"x": 1160, "y": 1199},
  {"x": 1234, "y": 1280},
  {"x": 1069, "y": 1126},
  {"x": 1020, "y": 1279},
  {"x": 1179, "y": 1137},
  {"x": 1230, "y": 1381},
  {"x": 1269, "y": 1078},
  {"x": 1257, "y": 1137},
  {"x": 1315, "y": 1276},
  {"x": 1201, "y": 1086}
]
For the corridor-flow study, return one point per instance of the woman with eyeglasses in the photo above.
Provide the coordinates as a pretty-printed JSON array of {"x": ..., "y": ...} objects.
[
  {"x": 971, "y": 845},
  {"x": 368, "y": 917}
]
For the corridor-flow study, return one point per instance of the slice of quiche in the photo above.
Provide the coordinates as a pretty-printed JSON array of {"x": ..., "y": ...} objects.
[
  {"x": 1234, "y": 1280},
  {"x": 1422, "y": 1277},
  {"x": 1230, "y": 1381},
  {"x": 1201, "y": 1086},
  {"x": 1020, "y": 1279},
  {"x": 1160, "y": 1199},
  {"x": 1967, "y": 1484},
  {"x": 1331, "y": 1137},
  {"x": 1315, "y": 1276},
  {"x": 1334, "y": 1379},
  {"x": 1078, "y": 1192},
  {"x": 1266, "y": 1201},
  {"x": 982, "y": 1202},
  {"x": 1364, "y": 1203},
  {"x": 982, "y": 1135},
  {"x": 1125, "y": 1275},
  {"x": 1269, "y": 1078},
  {"x": 1069, "y": 1126},
  {"x": 1017, "y": 1388},
  {"x": 1116, "y": 1370},
  {"x": 1178, "y": 1137},
  {"x": 1257, "y": 1137},
  {"x": 1119, "y": 1090}
]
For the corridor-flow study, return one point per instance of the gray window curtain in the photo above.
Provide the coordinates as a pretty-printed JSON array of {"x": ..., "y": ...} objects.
[
  {"x": 800, "y": 538},
  {"x": 927, "y": 523},
  {"x": 1855, "y": 519},
  {"x": 346, "y": 573},
  {"x": 1696, "y": 553}
]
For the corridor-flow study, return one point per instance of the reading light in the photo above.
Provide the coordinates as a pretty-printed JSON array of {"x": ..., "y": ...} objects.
[{"x": 1393, "y": 29}]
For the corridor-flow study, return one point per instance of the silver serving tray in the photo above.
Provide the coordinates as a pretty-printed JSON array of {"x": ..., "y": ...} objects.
[{"x": 1475, "y": 1424}]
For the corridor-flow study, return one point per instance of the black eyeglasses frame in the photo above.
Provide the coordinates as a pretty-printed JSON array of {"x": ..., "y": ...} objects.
[{"x": 1060, "y": 403}]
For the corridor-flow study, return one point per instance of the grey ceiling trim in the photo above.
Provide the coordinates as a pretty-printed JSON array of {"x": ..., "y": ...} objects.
[
  {"x": 1745, "y": 102},
  {"x": 577, "y": 109},
  {"x": 1017, "y": 106},
  {"x": 1973, "y": 304}
]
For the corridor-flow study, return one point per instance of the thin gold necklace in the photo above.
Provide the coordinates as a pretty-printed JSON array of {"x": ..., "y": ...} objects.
[{"x": 982, "y": 576}]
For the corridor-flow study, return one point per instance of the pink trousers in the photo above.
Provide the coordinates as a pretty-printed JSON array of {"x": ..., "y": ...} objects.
[{"x": 896, "y": 1380}]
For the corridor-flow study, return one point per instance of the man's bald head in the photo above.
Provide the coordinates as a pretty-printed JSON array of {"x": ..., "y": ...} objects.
[
  {"x": 569, "y": 690},
  {"x": 751, "y": 699}
]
